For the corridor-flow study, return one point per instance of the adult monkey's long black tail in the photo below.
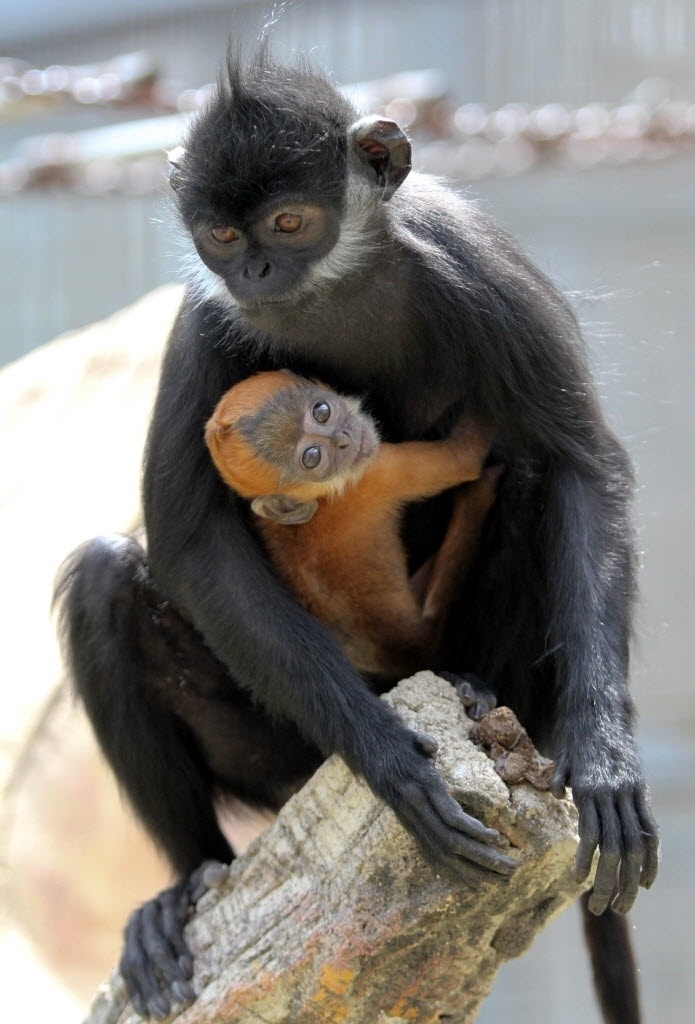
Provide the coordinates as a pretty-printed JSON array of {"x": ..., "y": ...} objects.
[{"x": 613, "y": 964}]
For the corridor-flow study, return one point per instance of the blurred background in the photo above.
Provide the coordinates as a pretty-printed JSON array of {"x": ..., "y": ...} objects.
[{"x": 573, "y": 122}]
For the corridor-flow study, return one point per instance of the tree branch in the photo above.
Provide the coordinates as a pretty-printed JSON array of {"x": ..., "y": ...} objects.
[{"x": 334, "y": 916}]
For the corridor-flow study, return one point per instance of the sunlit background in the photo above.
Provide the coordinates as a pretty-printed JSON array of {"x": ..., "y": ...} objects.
[{"x": 573, "y": 121}]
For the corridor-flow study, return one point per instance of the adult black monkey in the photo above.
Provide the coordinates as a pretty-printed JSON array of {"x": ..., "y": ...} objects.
[{"x": 423, "y": 307}]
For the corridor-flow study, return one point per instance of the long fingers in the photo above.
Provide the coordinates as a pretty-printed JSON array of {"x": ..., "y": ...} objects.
[
  {"x": 156, "y": 963},
  {"x": 456, "y": 818},
  {"x": 588, "y": 839},
  {"x": 620, "y": 824},
  {"x": 138, "y": 972},
  {"x": 449, "y": 835},
  {"x": 650, "y": 838},
  {"x": 610, "y": 856}
]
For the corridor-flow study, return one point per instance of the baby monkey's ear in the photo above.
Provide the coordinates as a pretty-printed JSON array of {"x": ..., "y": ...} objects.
[{"x": 281, "y": 509}]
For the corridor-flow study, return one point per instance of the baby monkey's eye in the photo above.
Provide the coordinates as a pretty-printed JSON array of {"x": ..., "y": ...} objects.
[
  {"x": 311, "y": 457},
  {"x": 288, "y": 222},
  {"x": 224, "y": 234},
  {"x": 321, "y": 412}
]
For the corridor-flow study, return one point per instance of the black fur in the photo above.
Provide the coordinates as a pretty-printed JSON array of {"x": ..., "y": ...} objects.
[
  {"x": 615, "y": 976},
  {"x": 302, "y": 140},
  {"x": 423, "y": 307}
]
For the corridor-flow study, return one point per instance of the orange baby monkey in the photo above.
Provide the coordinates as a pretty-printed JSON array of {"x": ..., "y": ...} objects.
[{"x": 328, "y": 496}]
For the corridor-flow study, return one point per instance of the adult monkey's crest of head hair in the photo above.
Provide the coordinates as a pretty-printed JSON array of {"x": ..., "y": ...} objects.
[{"x": 269, "y": 130}]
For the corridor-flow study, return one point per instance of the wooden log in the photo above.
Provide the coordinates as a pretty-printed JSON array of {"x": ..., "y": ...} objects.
[{"x": 333, "y": 915}]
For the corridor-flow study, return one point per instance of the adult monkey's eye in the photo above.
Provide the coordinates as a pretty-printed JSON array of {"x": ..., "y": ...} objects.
[
  {"x": 321, "y": 412},
  {"x": 311, "y": 457},
  {"x": 288, "y": 222},
  {"x": 224, "y": 234}
]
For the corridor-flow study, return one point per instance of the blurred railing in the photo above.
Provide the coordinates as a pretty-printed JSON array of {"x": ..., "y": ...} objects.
[{"x": 520, "y": 84}]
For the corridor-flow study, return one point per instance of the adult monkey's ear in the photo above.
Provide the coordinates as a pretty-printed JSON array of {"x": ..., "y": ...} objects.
[
  {"x": 384, "y": 147},
  {"x": 281, "y": 509},
  {"x": 175, "y": 158}
]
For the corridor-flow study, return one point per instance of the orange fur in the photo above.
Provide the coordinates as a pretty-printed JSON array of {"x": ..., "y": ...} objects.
[
  {"x": 347, "y": 564},
  {"x": 236, "y": 460}
]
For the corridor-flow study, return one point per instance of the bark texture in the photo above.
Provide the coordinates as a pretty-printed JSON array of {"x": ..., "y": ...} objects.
[{"x": 333, "y": 915}]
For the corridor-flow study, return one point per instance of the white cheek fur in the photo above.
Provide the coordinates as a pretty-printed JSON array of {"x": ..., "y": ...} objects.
[
  {"x": 357, "y": 234},
  {"x": 206, "y": 285}
]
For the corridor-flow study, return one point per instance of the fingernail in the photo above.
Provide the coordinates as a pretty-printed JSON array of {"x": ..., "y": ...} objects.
[
  {"x": 183, "y": 992},
  {"x": 597, "y": 905},
  {"x": 159, "y": 1006}
]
